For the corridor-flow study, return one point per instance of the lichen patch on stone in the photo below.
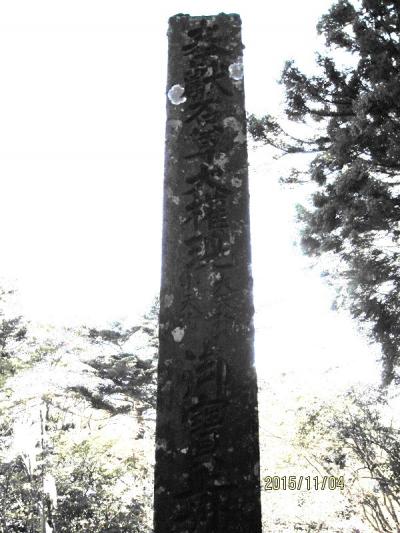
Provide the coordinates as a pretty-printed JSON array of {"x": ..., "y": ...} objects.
[
  {"x": 161, "y": 444},
  {"x": 175, "y": 94},
  {"x": 236, "y": 71},
  {"x": 221, "y": 160},
  {"x": 178, "y": 334},
  {"x": 234, "y": 124},
  {"x": 174, "y": 125},
  {"x": 172, "y": 197},
  {"x": 214, "y": 277}
]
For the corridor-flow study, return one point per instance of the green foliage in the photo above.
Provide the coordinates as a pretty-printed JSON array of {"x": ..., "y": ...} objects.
[
  {"x": 295, "y": 440},
  {"x": 356, "y": 438},
  {"x": 126, "y": 372},
  {"x": 64, "y": 461},
  {"x": 13, "y": 333},
  {"x": 20, "y": 496},
  {"x": 355, "y": 111},
  {"x": 87, "y": 500},
  {"x": 116, "y": 335}
]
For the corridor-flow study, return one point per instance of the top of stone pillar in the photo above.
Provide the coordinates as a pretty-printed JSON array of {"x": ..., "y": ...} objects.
[
  {"x": 231, "y": 16},
  {"x": 186, "y": 19}
]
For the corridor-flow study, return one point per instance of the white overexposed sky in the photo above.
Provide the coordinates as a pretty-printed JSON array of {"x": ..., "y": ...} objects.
[{"x": 82, "y": 114}]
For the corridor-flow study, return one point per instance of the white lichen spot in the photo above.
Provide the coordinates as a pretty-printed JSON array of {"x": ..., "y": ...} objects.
[
  {"x": 236, "y": 182},
  {"x": 178, "y": 334},
  {"x": 195, "y": 400},
  {"x": 214, "y": 277},
  {"x": 160, "y": 490},
  {"x": 221, "y": 161},
  {"x": 236, "y": 71},
  {"x": 184, "y": 450},
  {"x": 209, "y": 466},
  {"x": 168, "y": 300},
  {"x": 175, "y": 94}
]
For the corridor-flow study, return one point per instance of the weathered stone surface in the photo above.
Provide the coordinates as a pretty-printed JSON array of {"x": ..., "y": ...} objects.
[{"x": 207, "y": 455}]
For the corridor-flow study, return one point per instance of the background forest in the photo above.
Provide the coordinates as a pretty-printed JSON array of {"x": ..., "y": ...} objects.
[
  {"x": 77, "y": 405},
  {"x": 351, "y": 227}
]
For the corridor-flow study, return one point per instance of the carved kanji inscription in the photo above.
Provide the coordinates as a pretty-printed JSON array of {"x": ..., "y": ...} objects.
[{"x": 207, "y": 454}]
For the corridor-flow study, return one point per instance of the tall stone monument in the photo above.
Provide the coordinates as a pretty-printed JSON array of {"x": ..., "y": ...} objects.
[{"x": 207, "y": 452}]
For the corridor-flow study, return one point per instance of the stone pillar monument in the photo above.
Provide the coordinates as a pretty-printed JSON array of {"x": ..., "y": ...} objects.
[{"x": 207, "y": 452}]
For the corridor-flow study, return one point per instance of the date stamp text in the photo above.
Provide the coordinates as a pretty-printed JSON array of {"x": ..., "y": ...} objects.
[{"x": 303, "y": 482}]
